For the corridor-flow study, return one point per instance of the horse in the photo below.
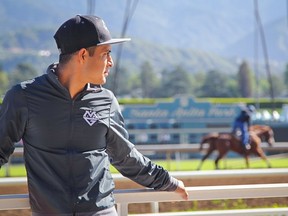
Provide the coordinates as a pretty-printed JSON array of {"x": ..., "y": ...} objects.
[{"x": 223, "y": 142}]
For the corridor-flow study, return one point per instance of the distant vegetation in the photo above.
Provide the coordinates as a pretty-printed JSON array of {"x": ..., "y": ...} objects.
[{"x": 146, "y": 83}]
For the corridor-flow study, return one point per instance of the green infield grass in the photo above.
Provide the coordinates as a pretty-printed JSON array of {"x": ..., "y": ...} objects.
[{"x": 183, "y": 165}]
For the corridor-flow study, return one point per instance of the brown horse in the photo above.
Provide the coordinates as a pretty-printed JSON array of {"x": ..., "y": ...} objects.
[{"x": 227, "y": 141}]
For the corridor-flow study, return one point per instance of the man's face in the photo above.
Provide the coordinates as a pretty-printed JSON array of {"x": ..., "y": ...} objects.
[{"x": 98, "y": 65}]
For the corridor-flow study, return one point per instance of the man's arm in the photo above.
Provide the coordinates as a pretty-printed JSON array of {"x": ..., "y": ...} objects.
[
  {"x": 140, "y": 169},
  {"x": 132, "y": 164},
  {"x": 13, "y": 116}
]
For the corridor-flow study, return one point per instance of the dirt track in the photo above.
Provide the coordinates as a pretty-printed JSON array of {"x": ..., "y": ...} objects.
[{"x": 180, "y": 206}]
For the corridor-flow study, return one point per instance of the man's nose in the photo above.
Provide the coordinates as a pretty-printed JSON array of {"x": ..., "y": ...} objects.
[{"x": 110, "y": 61}]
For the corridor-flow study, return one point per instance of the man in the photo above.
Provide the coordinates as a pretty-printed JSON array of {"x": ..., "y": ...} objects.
[
  {"x": 242, "y": 122},
  {"x": 72, "y": 129}
]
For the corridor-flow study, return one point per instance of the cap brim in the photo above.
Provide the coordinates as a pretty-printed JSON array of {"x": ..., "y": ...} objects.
[{"x": 115, "y": 41}]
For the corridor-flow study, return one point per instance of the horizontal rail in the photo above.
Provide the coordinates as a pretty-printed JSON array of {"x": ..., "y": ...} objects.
[
  {"x": 124, "y": 197},
  {"x": 14, "y": 201},
  {"x": 238, "y": 212},
  {"x": 203, "y": 174},
  {"x": 172, "y": 148},
  {"x": 204, "y": 193}
]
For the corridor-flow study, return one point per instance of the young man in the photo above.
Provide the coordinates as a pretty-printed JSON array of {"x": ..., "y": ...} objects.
[{"x": 72, "y": 129}]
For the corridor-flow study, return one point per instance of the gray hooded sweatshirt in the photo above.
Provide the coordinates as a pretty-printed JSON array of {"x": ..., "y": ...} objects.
[{"x": 69, "y": 145}]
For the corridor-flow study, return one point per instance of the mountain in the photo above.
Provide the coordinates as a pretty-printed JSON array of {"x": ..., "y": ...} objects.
[
  {"x": 276, "y": 38},
  {"x": 199, "y": 34}
]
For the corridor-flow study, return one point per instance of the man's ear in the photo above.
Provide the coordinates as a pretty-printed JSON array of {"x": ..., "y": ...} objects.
[{"x": 82, "y": 54}]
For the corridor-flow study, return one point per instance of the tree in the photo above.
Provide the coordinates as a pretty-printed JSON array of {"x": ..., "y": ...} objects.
[
  {"x": 22, "y": 72},
  {"x": 126, "y": 84},
  {"x": 149, "y": 80},
  {"x": 232, "y": 87},
  {"x": 175, "y": 82},
  {"x": 197, "y": 80},
  {"x": 286, "y": 77},
  {"x": 279, "y": 86},
  {"x": 245, "y": 80},
  {"x": 216, "y": 85},
  {"x": 4, "y": 83}
]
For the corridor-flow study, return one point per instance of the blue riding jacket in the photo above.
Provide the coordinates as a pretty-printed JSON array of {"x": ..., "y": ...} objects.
[{"x": 242, "y": 123}]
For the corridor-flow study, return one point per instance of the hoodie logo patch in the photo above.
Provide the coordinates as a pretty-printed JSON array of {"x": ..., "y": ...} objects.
[
  {"x": 90, "y": 117},
  {"x": 25, "y": 83}
]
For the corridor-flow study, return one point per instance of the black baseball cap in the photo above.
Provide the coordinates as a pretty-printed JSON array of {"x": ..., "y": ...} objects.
[{"x": 82, "y": 32}]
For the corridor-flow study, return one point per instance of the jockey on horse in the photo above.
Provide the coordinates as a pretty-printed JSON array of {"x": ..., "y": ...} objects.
[
  {"x": 223, "y": 142},
  {"x": 242, "y": 122}
]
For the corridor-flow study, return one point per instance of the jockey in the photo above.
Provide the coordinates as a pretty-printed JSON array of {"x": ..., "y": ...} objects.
[{"x": 242, "y": 122}]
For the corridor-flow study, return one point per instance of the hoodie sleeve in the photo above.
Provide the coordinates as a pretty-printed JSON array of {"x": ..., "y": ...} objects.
[
  {"x": 129, "y": 161},
  {"x": 13, "y": 118}
]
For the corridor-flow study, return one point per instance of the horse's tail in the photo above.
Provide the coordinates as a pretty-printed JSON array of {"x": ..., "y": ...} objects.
[
  {"x": 205, "y": 140},
  {"x": 208, "y": 139},
  {"x": 201, "y": 145}
]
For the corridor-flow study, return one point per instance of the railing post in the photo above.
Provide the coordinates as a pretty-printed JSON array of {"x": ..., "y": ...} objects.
[
  {"x": 178, "y": 159},
  {"x": 154, "y": 207},
  {"x": 122, "y": 209},
  {"x": 7, "y": 167},
  {"x": 168, "y": 158}
]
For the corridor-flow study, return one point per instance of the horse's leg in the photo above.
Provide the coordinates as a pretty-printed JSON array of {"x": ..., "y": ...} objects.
[
  {"x": 259, "y": 152},
  {"x": 217, "y": 161},
  {"x": 221, "y": 146},
  {"x": 246, "y": 160},
  {"x": 221, "y": 154},
  {"x": 210, "y": 150}
]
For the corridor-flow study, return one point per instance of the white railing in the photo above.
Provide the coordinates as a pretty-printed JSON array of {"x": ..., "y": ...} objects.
[
  {"x": 237, "y": 212},
  {"x": 124, "y": 197},
  {"x": 196, "y": 175},
  {"x": 184, "y": 147}
]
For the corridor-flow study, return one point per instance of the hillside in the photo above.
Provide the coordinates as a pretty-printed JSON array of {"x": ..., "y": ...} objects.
[{"x": 196, "y": 34}]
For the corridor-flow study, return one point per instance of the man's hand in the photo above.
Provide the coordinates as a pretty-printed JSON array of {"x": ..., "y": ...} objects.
[{"x": 181, "y": 190}]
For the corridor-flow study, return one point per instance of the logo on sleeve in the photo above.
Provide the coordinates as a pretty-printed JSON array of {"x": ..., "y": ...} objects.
[{"x": 90, "y": 117}]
